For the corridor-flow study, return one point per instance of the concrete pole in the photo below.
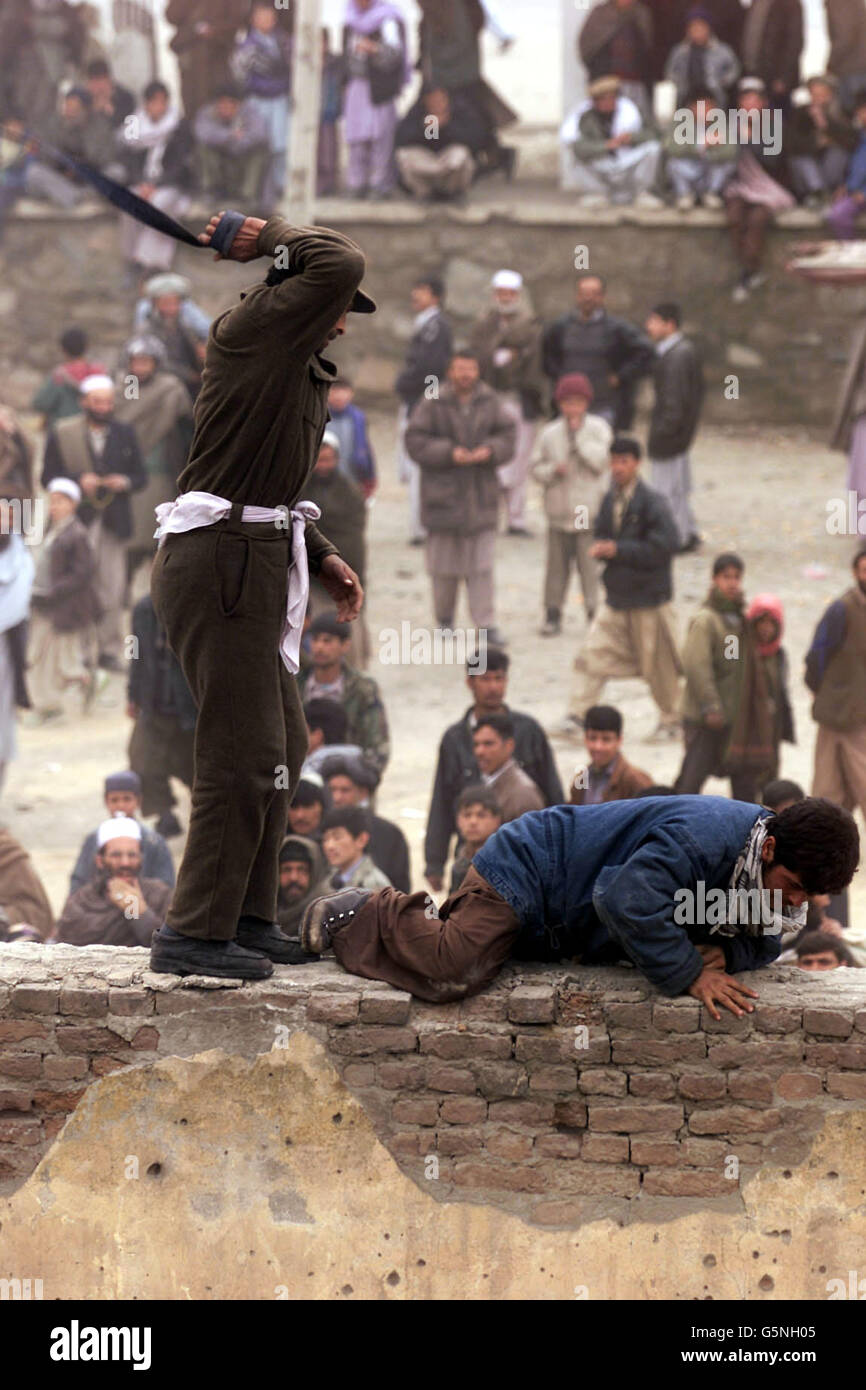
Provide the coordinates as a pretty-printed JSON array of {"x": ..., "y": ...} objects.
[{"x": 306, "y": 99}]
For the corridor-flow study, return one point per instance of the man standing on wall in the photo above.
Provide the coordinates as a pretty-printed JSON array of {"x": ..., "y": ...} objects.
[{"x": 220, "y": 585}]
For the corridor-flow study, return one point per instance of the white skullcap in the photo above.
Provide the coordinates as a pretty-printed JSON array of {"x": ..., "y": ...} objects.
[
  {"x": 98, "y": 382},
  {"x": 508, "y": 280},
  {"x": 67, "y": 486},
  {"x": 331, "y": 439},
  {"x": 118, "y": 827}
]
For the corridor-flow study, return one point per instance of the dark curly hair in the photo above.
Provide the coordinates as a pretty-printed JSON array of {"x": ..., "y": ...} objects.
[{"x": 818, "y": 841}]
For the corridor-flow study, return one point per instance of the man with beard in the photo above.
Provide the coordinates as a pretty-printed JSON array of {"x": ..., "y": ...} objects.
[
  {"x": 101, "y": 454},
  {"x": 508, "y": 342},
  {"x": 117, "y": 907},
  {"x": 157, "y": 405},
  {"x": 836, "y": 675},
  {"x": 302, "y": 868}
]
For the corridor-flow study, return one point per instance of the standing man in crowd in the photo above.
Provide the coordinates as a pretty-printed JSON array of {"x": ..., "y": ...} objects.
[
  {"x": 507, "y": 340},
  {"x": 330, "y": 677},
  {"x": 493, "y": 744},
  {"x": 570, "y": 463},
  {"x": 203, "y": 41},
  {"x": 846, "y": 28},
  {"x": 351, "y": 782},
  {"x": 679, "y": 391},
  {"x": 702, "y": 63},
  {"x": 459, "y": 440},
  {"x": 849, "y": 423},
  {"x": 714, "y": 660},
  {"x": 836, "y": 675},
  {"x": 608, "y": 776},
  {"x": 220, "y": 582},
  {"x": 633, "y": 632},
  {"x": 613, "y": 354},
  {"x": 60, "y": 393},
  {"x": 101, "y": 454},
  {"x": 457, "y": 768},
  {"x": 616, "y": 40},
  {"x": 772, "y": 45},
  {"x": 424, "y": 369}
]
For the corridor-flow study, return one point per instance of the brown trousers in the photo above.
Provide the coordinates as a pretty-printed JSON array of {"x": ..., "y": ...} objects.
[
  {"x": 400, "y": 938},
  {"x": 220, "y": 594},
  {"x": 748, "y": 223}
]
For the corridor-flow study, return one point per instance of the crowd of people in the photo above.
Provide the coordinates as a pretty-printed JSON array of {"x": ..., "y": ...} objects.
[{"x": 517, "y": 404}]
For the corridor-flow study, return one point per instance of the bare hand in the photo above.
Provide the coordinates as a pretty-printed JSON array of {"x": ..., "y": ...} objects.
[
  {"x": 561, "y": 470},
  {"x": 245, "y": 246},
  {"x": 116, "y": 482},
  {"x": 482, "y": 454},
  {"x": 435, "y": 881},
  {"x": 90, "y": 483},
  {"x": 126, "y": 895},
  {"x": 461, "y": 455},
  {"x": 146, "y": 191},
  {"x": 603, "y": 550},
  {"x": 714, "y": 986},
  {"x": 714, "y": 719},
  {"x": 344, "y": 586}
]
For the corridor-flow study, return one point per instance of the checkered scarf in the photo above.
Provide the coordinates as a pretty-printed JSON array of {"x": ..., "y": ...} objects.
[{"x": 747, "y": 877}]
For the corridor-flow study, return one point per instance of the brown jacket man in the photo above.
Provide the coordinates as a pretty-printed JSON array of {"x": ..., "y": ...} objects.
[
  {"x": 90, "y": 918},
  {"x": 455, "y": 498},
  {"x": 626, "y": 782},
  {"x": 516, "y": 792},
  {"x": 22, "y": 897}
]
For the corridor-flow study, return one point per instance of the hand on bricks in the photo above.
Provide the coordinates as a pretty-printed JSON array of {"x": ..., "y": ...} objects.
[{"x": 713, "y": 985}]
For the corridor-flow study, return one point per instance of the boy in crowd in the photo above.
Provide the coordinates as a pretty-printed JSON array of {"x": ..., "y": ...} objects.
[
  {"x": 351, "y": 782},
  {"x": 123, "y": 798},
  {"x": 345, "y": 838},
  {"x": 570, "y": 462},
  {"x": 608, "y": 777},
  {"x": 478, "y": 815},
  {"x": 819, "y": 950},
  {"x": 349, "y": 423},
  {"x": 308, "y": 807},
  {"x": 328, "y": 725}
]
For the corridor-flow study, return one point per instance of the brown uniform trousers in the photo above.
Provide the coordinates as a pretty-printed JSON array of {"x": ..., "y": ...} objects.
[
  {"x": 220, "y": 594},
  {"x": 399, "y": 938}
]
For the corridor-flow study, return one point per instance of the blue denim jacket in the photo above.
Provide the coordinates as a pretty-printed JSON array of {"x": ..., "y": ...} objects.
[{"x": 600, "y": 882}]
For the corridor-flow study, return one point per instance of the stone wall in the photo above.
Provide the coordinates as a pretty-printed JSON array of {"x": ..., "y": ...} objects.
[
  {"x": 787, "y": 346},
  {"x": 558, "y": 1095}
]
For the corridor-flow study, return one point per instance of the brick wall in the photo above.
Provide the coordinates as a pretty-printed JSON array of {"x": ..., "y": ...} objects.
[{"x": 558, "y": 1094}]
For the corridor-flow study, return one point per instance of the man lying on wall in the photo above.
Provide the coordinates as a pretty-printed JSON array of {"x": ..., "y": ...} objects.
[{"x": 691, "y": 889}]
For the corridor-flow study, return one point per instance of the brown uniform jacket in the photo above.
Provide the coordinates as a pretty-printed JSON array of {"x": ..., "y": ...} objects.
[
  {"x": 263, "y": 405},
  {"x": 625, "y": 783},
  {"x": 460, "y": 498},
  {"x": 92, "y": 919}
]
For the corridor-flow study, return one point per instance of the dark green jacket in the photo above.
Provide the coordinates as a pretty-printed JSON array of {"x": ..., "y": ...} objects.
[{"x": 261, "y": 412}]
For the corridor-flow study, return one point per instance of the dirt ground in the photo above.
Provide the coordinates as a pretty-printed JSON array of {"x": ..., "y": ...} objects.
[{"x": 765, "y": 497}]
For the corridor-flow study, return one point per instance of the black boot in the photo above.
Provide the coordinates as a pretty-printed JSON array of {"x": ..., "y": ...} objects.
[
  {"x": 325, "y": 917},
  {"x": 266, "y": 937},
  {"x": 171, "y": 953}
]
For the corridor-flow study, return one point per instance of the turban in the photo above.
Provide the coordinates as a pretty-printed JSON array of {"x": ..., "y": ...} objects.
[
  {"x": 508, "y": 280},
  {"x": 66, "y": 486},
  {"x": 97, "y": 382},
  {"x": 117, "y": 828}
]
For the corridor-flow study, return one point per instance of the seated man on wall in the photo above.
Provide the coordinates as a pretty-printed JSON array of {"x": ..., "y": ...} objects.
[
  {"x": 608, "y": 777},
  {"x": 437, "y": 145},
  {"x": 117, "y": 907},
  {"x": 616, "y": 154},
  {"x": 691, "y": 889}
]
